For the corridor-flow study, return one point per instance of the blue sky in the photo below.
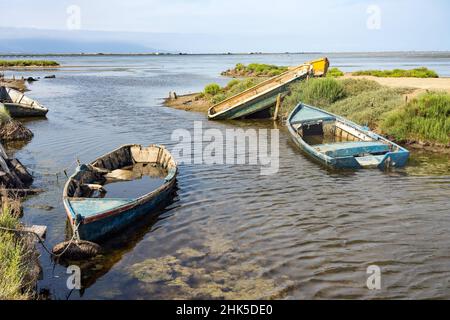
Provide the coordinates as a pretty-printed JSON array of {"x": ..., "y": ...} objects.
[{"x": 231, "y": 25}]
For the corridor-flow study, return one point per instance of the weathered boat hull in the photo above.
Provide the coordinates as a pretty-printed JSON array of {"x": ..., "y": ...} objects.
[
  {"x": 115, "y": 220},
  {"x": 19, "y": 105},
  {"x": 94, "y": 219},
  {"x": 355, "y": 155},
  {"x": 251, "y": 107},
  {"x": 20, "y": 111}
]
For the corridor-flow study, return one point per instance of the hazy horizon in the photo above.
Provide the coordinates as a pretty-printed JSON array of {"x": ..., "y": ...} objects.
[{"x": 212, "y": 26}]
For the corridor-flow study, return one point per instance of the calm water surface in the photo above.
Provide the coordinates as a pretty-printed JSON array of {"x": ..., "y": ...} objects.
[{"x": 305, "y": 232}]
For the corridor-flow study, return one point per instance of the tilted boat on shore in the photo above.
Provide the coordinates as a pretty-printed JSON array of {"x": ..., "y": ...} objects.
[
  {"x": 340, "y": 143},
  {"x": 264, "y": 94},
  {"x": 19, "y": 105},
  {"x": 93, "y": 216}
]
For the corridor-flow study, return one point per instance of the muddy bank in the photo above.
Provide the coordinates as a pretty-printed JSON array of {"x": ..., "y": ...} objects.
[
  {"x": 16, "y": 84},
  {"x": 189, "y": 102}
]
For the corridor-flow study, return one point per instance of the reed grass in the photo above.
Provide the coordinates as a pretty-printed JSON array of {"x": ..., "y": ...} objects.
[
  {"x": 426, "y": 118},
  {"x": 28, "y": 63},
  {"x": 12, "y": 254},
  {"x": 317, "y": 92}
]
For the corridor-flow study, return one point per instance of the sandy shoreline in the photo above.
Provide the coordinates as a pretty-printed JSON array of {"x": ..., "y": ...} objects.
[{"x": 416, "y": 83}]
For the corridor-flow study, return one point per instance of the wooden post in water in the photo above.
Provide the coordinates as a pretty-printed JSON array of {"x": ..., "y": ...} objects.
[{"x": 277, "y": 107}]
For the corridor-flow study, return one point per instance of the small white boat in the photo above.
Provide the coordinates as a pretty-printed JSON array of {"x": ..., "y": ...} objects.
[{"x": 19, "y": 105}]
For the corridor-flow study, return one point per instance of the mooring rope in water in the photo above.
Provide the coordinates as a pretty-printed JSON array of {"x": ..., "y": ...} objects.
[{"x": 41, "y": 241}]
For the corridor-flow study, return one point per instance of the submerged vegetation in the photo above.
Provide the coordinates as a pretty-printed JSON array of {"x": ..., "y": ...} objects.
[
  {"x": 425, "y": 118},
  {"x": 399, "y": 73},
  {"x": 28, "y": 63},
  {"x": 13, "y": 271},
  {"x": 255, "y": 70}
]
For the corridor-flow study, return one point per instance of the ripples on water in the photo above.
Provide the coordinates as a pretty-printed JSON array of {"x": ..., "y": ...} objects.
[{"x": 306, "y": 232}]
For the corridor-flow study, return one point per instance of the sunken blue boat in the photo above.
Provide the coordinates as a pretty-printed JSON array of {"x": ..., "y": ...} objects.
[
  {"x": 93, "y": 216},
  {"x": 340, "y": 143}
]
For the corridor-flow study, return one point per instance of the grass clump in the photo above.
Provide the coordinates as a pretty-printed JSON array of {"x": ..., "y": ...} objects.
[
  {"x": 426, "y": 118},
  {"x": 255, "y": 70},
  {"x": 4, "y": 114},
  {"x": 334, "y": 73},
  {"x": 212, "y": 89},
  {"x": 12, "y": 252},
  {"x": 28, "y": 63},
  {"x": 215, "y": 94},
  {"x": 399, "y": 73},
  {"x": 318, "y": 92}
]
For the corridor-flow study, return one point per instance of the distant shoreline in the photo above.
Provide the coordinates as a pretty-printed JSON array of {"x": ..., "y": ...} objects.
[{"x": 381, "y": 53}]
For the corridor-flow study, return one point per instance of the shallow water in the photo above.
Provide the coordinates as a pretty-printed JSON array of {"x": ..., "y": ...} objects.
[{"x": 306, "y": 232}]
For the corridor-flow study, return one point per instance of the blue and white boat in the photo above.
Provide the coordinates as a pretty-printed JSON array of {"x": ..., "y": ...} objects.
[
  {"x": 340, "y": 143},
  {"x": 93, "y": 216}
]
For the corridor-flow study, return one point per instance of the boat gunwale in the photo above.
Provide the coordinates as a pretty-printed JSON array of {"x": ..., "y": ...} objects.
[{"x": 168, "y": 183}]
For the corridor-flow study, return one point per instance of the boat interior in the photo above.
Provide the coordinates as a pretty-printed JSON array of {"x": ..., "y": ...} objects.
[
  {"x": 128, "y": 163},
  {"x": 336, "y": 139}
]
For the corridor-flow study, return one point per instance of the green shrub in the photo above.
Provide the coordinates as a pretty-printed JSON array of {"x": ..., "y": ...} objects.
[
  {"x": 212, "y": 89},
  {"x": 424, "y": 118},
  {"x": 259, "y": 69},
  {"x": 317, "y": 92},
  {"x": 232, "y": 83},
  {"x": 398, "y": 73},
  {"x": 216, "y": 94},
  {"x": 334, "y": 73}
]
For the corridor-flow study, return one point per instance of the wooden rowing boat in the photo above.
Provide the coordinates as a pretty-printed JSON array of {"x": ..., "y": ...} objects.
[
  {"x": 19, "y": 105},
  {"x": 264, "y": 95},
  {"x": 340, "y": 143},
  {"x": 93, "y": 216}
]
